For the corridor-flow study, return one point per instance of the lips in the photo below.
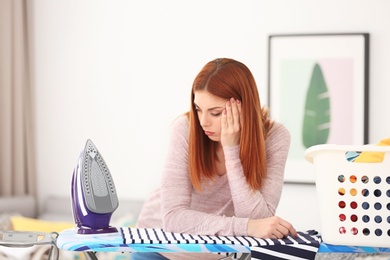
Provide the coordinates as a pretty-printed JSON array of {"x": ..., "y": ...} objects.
[{"x": 208, "y": 133}]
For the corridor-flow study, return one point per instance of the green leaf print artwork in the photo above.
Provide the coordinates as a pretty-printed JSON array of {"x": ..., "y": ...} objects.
[{"x": 316, "y": 121}]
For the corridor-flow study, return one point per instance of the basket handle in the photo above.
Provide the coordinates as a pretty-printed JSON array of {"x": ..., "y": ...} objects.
[{"x": 313, "y": 150}]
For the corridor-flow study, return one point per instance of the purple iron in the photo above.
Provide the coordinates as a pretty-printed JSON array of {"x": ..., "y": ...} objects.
[{"x": 94, "y": 197}]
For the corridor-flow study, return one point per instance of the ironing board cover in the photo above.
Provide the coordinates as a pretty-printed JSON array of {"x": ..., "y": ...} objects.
[
  {"x": 156, "y": 240},
  {"x": 329, "y": 248}
]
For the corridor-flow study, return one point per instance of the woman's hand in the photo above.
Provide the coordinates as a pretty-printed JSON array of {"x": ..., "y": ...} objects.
[
  {"x": 231, "y": 123},
  {"x": 273, "y": 227}
]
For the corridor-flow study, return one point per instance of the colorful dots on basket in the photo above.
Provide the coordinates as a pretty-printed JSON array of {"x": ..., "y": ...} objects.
[
  {"x": 354, "y": 218},
  {"x": 378, "y": 232},
  {"x": 377, "y": 193},
  {"x": 377, "y": 179},
  {"x": 363, "y": 200},
  {"x": 341, "y": 191},
  {"x": 354, "y": 230},
  {"x": 342, "y": 230},
  {"x": 377, "y": 206},
  {"x": 365, "y": 179},
  {"x": 378, "y": 219}
]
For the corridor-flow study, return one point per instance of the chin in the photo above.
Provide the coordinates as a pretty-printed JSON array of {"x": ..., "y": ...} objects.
[{"x": 214, "y": 138}]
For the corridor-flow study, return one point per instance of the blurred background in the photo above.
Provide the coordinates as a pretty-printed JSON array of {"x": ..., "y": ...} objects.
[{"x": 118, "y": 72}]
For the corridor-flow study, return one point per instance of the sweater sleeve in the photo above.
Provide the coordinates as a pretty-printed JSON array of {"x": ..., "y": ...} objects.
[
  {"x": 261, "y": 203},
  {"x": 176, "y": 191}
]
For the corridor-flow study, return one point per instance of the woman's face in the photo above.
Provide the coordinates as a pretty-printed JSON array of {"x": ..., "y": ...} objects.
[{"x": 209, "y": 109}]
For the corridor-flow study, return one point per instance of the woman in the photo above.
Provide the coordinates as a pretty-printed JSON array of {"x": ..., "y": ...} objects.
[{"x": 224, "y": 170}]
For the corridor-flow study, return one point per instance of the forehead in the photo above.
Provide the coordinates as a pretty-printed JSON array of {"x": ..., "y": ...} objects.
[{"x": 204, "y": 99}]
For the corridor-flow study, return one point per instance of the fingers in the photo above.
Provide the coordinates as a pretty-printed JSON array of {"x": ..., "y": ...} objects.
[
  {"x": 239, "y": 112},
  {"x": 281, "y": 231},
  {"x": 233, "y": 114},
  {"x": 224, "y": 120},
  {"x": 284, "y": 228},
  {"x": 272, "y": 227},
  {"x": 287, "y": 228},
  {"x": 231, "y": 123}
]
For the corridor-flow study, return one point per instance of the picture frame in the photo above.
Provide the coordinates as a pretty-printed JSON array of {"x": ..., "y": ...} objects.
[{"x": 318, "y": 87}]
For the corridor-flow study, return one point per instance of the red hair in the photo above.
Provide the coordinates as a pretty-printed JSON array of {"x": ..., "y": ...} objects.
[{"x": 228, "y": 78}]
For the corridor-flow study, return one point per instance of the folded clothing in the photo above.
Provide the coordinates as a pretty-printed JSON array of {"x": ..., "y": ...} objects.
[{"x": 371, "y": 157}]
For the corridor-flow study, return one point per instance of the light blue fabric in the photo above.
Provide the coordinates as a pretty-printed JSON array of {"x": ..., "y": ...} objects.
[{"x": 147, "y": 256}]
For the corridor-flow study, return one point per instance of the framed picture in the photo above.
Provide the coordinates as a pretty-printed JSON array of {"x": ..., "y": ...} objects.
[{"x": 318, "y": 88}]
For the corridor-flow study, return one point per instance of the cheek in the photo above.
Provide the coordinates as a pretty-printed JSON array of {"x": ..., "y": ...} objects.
[{"x": 217, "y": 124}]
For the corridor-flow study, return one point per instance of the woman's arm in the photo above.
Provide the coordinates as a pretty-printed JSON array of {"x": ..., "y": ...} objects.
[
  {"x": 261, "y": 203},
  {"x": 176, "y": 193},
  {"x": 260, "y": 206},
  {"x": 247, "y": 202}
]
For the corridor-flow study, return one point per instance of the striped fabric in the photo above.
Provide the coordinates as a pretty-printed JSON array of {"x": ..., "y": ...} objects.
[{"x": 303, "y": 247}]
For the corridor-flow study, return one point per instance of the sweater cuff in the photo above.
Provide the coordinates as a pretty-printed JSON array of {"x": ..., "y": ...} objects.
[
  {"x": 232, "y": 154},
  {"x": 241, "y": 226}
]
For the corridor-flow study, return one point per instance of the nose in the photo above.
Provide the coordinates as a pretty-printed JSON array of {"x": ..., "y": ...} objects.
[{"x": 204, "y": 119}]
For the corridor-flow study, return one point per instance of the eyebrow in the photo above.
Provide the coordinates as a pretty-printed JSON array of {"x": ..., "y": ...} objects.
[{"x": 210, "y": 109}]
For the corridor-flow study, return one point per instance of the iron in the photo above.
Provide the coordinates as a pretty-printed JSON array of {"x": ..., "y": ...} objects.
[{"x": 93, "y": 195}]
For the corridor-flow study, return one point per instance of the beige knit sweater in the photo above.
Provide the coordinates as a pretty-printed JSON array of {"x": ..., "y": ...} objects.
[{"x": 226, "y": 204}]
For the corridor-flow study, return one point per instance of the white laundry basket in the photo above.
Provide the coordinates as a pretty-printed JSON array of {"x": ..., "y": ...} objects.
[{"x": 354, "y": 197}]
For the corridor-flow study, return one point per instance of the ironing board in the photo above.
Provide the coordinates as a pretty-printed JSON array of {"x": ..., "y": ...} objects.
[
  {"x": 156, "y": 240},
  {"x": 326, "y": 248},
  {"x": 19, "y": 239}
]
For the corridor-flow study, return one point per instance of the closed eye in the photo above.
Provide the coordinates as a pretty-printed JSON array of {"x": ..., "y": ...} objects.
[{"x": 214, "y": 111}]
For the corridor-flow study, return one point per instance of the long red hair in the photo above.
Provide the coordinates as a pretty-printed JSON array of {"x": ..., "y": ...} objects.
[{"x": 228, "y": 78}]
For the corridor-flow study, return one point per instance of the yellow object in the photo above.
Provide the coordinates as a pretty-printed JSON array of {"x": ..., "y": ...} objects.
[
  {"x": 31, "y": 224},
  {"x": 373, "y": 156}
]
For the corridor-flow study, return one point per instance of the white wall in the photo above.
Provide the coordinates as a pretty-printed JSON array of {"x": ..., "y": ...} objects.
[{"x": 119, "y": 71}]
